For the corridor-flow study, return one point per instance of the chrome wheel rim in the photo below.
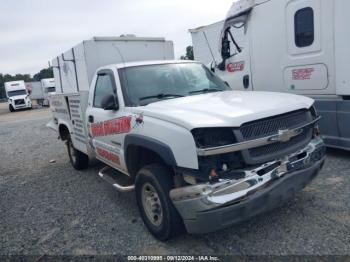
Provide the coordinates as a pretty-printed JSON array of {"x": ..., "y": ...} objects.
[{"x": 151, "y": 204}]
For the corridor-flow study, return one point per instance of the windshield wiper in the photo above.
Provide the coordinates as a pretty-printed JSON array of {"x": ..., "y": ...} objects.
[
  {"x": 206, "y": 90},
  {"x": 160, "y": 96}
]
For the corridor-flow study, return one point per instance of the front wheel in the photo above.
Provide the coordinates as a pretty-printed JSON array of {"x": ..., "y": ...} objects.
[
  {"x": 11, "y": 108},
  {"x": 153, "y": 184},
  {"x": 78, "y": 159}
]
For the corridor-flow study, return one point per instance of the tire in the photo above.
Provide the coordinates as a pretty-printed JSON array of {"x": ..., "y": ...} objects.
[
  {"x": 11, "y": 108},
  {"x": 77, "y": 159},
  {"x": 157, "y": 178}
]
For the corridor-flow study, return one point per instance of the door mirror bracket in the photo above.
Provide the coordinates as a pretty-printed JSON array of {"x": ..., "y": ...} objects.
[{"x": 110, "y": 102}]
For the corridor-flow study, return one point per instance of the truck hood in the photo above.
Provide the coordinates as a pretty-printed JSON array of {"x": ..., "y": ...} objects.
[
  {"x": 224, "y": 109},
  {"x": 18, "y": 97}
]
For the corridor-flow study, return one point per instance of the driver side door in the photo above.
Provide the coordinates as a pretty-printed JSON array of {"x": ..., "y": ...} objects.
[{"x": 106, "y": 127}]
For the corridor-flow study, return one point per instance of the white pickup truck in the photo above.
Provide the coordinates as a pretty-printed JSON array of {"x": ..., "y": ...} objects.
[{"x": 199, "y": 156}]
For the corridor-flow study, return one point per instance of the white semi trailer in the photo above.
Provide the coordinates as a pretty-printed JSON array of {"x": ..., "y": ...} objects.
[
  {"x": 298, "y": 46},
  {"x": 35, "y": 92},
  {"x": 48, "y": 87}
]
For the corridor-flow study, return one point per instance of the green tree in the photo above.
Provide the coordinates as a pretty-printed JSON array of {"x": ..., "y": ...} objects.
[
  {"x": 189, "y": 54},
  {"x": 44, "y": 73},
  {"x": 2, "y": 88}
]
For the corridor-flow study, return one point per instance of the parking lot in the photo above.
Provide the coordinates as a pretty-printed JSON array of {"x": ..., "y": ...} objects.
[{"x": 47, "y": 207}]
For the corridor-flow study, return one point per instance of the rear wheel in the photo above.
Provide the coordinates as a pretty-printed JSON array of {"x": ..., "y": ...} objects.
[
  {"x": 11, "y": 108},
  {"x": 153, "y": 184},
  {"x": 78, "y": 159}
]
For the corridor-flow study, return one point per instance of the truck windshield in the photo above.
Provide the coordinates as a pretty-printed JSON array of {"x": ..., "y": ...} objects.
[
  {"x": 50, "y": 89},
  {"x": 143, "y": 85},
  {"x": 16, "y": 93}
]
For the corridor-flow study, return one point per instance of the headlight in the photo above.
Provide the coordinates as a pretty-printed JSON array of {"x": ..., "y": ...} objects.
[{"x": 213, "y": 137}]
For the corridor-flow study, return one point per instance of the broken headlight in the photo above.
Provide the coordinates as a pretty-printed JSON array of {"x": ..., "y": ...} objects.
[
  {"x": 215, "y": 137},
  {"x": 316, "y": 130}
]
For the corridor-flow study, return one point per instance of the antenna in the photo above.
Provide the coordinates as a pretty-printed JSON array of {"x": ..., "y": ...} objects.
[
  {"x": 211, "y": 51},
  {"x": 120, "y": 53}
]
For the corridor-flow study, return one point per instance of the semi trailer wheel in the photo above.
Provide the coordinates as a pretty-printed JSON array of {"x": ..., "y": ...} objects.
[
  {"x": 78, "y": 159},
  {"x": 158, "y": 213}
]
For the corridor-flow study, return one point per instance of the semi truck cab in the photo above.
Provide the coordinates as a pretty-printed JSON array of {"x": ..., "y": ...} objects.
[
  {"x": 17, "y": 96},
  {"x": 297, "y": 47}
]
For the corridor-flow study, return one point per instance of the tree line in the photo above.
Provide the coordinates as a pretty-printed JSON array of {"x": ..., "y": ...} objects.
[
  {"x": 189, "y": 54},
  {"x": 44, "y": 73}
]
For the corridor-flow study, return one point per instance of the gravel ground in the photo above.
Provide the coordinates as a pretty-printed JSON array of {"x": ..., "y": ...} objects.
[{"x": 49, "y": 208}]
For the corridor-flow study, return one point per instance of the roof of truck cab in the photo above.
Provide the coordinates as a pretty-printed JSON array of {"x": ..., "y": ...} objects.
[{"x": 143, "y": 63}]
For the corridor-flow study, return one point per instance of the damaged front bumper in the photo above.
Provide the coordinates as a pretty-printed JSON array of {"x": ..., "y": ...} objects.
[{"x": 212, "y": 206}]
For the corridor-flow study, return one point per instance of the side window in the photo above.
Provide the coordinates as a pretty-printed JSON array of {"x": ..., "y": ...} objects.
[
  {"x": 103, "y": 87},
  {"x": 304, "y": 27}
]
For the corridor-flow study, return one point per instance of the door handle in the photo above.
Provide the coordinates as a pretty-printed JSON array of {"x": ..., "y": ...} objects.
[
  {"x": 246, "y": 81},
  {"x": 91, "y": 119}
]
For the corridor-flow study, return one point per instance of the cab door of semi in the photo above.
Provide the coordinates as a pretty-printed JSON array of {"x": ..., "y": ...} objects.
[
  {"x": 342, "y": 58},
  {"x": 309, "y": 68},
  {"x": 292, "y": 46}
]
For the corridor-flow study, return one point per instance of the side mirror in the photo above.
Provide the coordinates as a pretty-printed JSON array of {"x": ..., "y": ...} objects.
[
  {"x": 212, "y": 66},
  {"x": 225, "y": 53},
  {"x": 225, "y": 48},
  {"x": 109, "y": 102}
]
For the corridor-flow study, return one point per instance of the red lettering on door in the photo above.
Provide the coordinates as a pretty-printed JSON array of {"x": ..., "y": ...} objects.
[
  {"x": 302, "y": 74},
  {"x": 111, "y": 127}
]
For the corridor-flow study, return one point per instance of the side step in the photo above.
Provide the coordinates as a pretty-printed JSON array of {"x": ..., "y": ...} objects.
[{"x": 118, "y": 180}]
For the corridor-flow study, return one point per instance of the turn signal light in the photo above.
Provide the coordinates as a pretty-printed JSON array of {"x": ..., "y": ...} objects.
[{"x": 213, "y": 175}]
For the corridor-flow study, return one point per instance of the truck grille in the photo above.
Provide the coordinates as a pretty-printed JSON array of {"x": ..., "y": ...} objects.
[
  {"x": 271, "y": 126},
  {"x": 19, "y": 102}
]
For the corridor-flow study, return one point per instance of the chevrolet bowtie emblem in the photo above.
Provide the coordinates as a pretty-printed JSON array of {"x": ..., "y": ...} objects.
[{"x": 286, "y": 135}]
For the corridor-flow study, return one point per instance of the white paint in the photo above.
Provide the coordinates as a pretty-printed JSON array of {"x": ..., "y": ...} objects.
[
  {"x": 342, "y": 50},
  {"x": 270, "y": 48},
  {"x": 224, "y": 109},
  {"x": 171, "y": 121},
  {"x": 11, "y": 100},
  {"x": 100, "y": 51},
  {"x": 206, "y": 41}
]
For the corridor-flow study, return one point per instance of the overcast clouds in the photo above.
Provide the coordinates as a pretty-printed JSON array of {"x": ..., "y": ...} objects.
[{"x": 34, "y": 31}]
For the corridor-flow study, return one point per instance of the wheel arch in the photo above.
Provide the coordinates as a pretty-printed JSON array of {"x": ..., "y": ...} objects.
[
  {"x": 63, "y": 131},
  {"x": 155, "y": 151}
]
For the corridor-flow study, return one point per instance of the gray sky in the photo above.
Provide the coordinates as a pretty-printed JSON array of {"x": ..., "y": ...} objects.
[{"x": 34, "y": 31}]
